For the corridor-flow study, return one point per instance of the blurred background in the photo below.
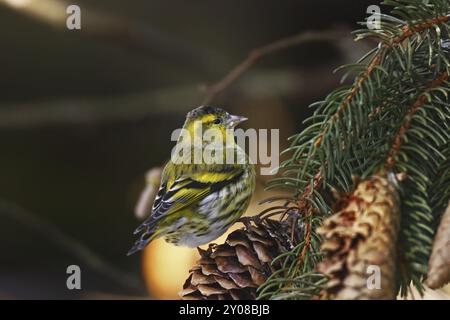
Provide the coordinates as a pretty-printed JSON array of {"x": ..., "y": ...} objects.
[{"x": 85, "y": 113}]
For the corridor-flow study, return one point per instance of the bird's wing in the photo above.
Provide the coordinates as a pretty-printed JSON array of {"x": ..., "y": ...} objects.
[{"x": 180, "y": 193}]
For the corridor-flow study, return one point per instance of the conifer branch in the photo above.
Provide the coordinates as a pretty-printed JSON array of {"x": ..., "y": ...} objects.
[
  {"x": 407, "y": 32},
  {"x": 420, "y": 102},
  {"x": 355, "y": 89},
  {"x": 395, "y": 117}
]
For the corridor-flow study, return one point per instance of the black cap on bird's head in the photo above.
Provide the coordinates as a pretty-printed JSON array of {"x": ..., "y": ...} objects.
[
  {"x": 214, "y": 115},
  {"x": 204, "y": 110}
]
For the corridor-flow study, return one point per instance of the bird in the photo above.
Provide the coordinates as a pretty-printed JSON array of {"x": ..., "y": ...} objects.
[{"x": 199, "y": 200}]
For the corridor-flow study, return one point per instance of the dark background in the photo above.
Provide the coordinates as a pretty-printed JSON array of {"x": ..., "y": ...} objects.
[{"x": 83, "y": 116}]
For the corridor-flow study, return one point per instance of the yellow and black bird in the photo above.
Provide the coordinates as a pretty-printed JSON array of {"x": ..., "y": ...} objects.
[{"x": 198, "y": 201}]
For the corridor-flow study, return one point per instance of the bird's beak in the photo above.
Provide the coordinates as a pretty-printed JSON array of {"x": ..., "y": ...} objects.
[{"x": 233, "y": 120}]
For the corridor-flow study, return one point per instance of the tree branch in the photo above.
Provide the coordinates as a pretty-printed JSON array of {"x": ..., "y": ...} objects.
[
  {"x": 171, "y": 100},
  {"x": 256, "y": 54}
]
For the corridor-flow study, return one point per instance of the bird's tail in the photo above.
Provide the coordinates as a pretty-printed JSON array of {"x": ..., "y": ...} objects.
[{"x": 149, "y": 235}]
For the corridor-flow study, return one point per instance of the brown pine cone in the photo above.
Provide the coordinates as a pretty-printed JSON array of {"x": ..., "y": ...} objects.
[
  {"x": 439, "y": 265},
  {"x": 360, "y": 238},
  {"x": 235, "y": 269}
]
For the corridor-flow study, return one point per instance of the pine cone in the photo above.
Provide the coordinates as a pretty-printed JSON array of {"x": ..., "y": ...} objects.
[
  {"x": 439, "y": 265},
  {"x": 362, "y": 234},
  {"x": 235, "y": 269}
]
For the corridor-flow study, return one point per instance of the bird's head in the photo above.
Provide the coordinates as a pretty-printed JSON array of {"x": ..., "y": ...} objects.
[{"x": 212, "y": 118}]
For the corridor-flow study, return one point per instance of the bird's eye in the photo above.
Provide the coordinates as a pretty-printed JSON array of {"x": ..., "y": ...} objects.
[{"x": 217, "y": 121}]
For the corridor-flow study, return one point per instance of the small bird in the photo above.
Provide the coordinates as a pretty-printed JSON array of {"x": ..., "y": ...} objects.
[{"x": 198, "y": 201}]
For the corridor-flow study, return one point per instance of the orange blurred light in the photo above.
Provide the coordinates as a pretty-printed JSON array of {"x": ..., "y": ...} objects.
[{"x": 166, "y": 267}]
